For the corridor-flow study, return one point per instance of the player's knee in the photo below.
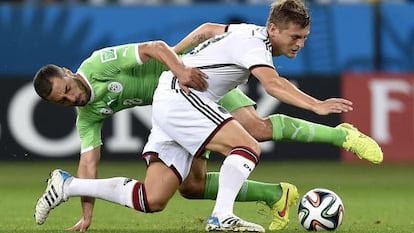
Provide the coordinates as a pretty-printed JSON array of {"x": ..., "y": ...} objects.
[
  {"x": 156, "y": 205},
  {"x": 192, "y": 189},
  {"x": 261, "y": 130}
]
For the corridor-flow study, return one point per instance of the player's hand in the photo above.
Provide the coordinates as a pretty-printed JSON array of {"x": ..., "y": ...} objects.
[
  {"x": 82, "y": 225},
  {"x": 332, "y": 105},
  {"x": 192, "y": 77}
]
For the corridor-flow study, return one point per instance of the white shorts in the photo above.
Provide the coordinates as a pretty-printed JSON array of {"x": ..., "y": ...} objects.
[
  {"x": 169, "y": 152},
  {"x": 182, "y": 125}
]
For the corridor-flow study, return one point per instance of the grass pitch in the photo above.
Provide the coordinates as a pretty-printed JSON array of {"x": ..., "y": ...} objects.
[{"x": 377, "y": 198}]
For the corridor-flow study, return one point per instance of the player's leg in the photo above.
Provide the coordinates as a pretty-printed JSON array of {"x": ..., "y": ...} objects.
[
  {"x": 237, "y": 166},
  {"x": 287, "y": 197},
  {"x": 279, "y": 127},
  {"x": 159, "y": 191},
  {"x": 142, "y": 196},
  {"x": 200, "y": 184},
  {"x": 195, "y": 185},
  {"x": 274, "y": 195},
  {"x": 286, "y": 128}
]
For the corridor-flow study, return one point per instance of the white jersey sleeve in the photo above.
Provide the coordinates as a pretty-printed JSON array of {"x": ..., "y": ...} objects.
[
  {"x": 240, "y": 26},
  {"x": 259, "y": 32},
  {"x": 256, "y": 55}
]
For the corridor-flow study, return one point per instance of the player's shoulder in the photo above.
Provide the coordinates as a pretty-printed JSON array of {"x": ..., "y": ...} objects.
[
  {"x": 241, "y": 26},
  {"x": 249, "y": 30},
  {"x": 110, "y": 53}
]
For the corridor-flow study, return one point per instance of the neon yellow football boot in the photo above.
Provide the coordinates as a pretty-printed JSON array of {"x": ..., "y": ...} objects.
[
  {"x": 281, "y": 208},
  {"x": 361, "y": 145}
]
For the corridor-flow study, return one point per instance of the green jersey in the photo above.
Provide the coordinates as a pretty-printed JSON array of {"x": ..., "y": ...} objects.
[{"x": 118, "y": 80}]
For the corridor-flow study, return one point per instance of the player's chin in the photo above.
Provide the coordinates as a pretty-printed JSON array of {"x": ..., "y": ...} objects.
[{"x": 291, "y": 55}]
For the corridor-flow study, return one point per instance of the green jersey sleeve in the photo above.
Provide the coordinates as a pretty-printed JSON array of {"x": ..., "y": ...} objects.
[{"x": 89, "y": 128}]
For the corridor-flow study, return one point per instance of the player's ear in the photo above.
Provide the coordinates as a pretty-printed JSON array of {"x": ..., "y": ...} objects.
[{"x": 272, "y": 28}]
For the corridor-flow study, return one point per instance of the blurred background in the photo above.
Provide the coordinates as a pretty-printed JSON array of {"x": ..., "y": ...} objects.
[{"x": 359, "y": 50}]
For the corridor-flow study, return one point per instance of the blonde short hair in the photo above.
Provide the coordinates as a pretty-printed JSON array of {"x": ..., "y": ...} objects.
[{"x": 283, "y": 12}]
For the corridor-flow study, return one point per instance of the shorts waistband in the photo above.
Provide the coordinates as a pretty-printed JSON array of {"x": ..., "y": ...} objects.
[{"x": 169, "y": 81}]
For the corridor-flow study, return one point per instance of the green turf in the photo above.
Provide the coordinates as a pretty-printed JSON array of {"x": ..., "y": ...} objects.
[{"x": 377, "y": 198}]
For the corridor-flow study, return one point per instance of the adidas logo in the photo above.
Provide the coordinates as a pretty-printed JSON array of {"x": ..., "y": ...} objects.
[
  {"x": 230, "y": 221},
  {"x": 248, "y": 167}
]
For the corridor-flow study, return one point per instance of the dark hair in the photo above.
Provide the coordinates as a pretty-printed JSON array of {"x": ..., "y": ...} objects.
[
  {"x": 42, "y": 80},
  {"x": 285, "y": 11}
]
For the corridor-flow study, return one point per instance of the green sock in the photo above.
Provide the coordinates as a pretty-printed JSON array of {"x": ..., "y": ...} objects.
[
  {"x": 250, "y": 190},
  {"x": 294, "y": 129}
]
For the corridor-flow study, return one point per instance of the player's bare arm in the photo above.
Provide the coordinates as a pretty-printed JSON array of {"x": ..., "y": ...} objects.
[
  {"x": 286, "y": 92},
  {"x": 160, "y": 51},
  {"x": 199, "y": 35},
  {"x": 88, "y": 169}
]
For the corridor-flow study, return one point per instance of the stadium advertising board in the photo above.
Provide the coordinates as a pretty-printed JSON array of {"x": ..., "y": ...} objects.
[
  {"x": 34, "y": 129},
  {"x": 383, "y": 107}
]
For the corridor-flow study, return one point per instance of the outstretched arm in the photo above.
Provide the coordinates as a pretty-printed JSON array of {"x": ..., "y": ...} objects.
[
  {"x": 199, "y": 35},
  {"x": 286, "y": 92},
  {"x": 87, "y": 169},
  {"x": 160, "y": 51}
]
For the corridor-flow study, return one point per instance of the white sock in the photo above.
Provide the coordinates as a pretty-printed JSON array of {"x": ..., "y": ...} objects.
[
  {"x": 117, "y": 189},
  {"x": 233, "y": 173}
]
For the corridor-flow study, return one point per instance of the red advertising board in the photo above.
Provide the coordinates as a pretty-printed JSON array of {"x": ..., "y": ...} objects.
[{"x": 383, "y": 109}]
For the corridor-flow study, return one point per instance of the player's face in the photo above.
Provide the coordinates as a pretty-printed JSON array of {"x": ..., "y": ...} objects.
[
  {"x": 68, "y": 91},
  {"x": 288, "y": 40}
]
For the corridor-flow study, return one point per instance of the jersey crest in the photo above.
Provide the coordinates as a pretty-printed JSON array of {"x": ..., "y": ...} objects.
[
  {"x": 115, "y": 87},
  {"x": 108, "y": 54}
]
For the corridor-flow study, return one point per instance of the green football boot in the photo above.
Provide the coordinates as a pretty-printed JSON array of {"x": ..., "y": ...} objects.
[
  {"x": 361, "y": 145},
  {"x": 280, "y": 209}
]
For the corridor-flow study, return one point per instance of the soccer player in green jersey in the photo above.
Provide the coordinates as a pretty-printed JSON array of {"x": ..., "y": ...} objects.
[{"x": 113, "y": 79}]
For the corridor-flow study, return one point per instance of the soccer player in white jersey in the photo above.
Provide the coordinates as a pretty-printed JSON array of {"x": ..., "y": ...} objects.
[
  {"x": 195, "y": 122},
  {"x": 283, "y": 219}
]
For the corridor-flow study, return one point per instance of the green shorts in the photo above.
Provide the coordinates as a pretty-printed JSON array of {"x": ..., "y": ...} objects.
[
  {"x": 235, "y": 99},
  {"x": 231, "y": 101}
]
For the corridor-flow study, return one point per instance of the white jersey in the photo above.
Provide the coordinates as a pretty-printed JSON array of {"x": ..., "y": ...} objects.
[
  {"x": 182, "y": 125},
  {"x": 228, "y": 58}
]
